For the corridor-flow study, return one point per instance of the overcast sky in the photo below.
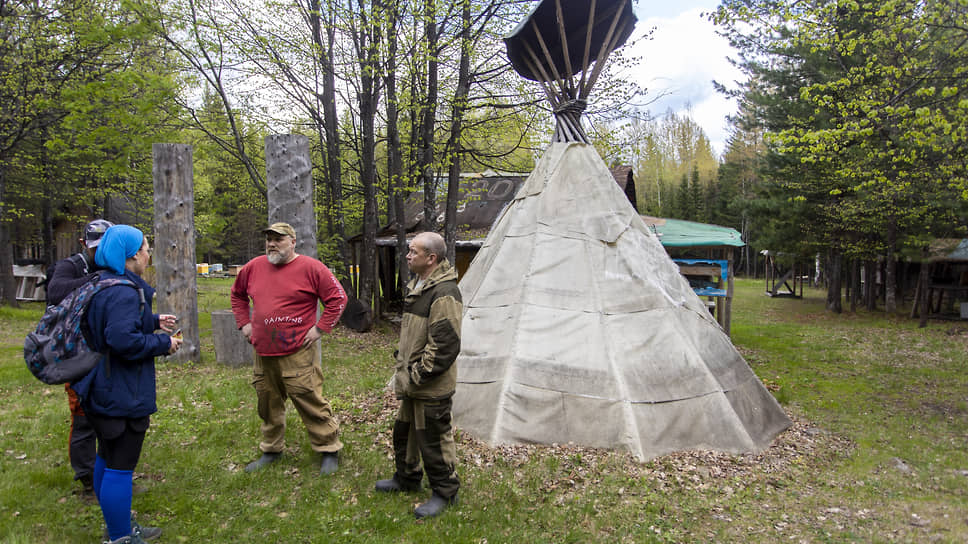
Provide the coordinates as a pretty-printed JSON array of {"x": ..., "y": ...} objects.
[{"x": 682, "y": 60}]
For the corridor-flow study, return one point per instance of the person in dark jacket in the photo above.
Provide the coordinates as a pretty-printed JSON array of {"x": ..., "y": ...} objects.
[
  {"x": 119, "y": 394},
  {"x": 65, "y": 276},
  {"x": 426, "y": 378},
  {"x": 70, "y": 273}
]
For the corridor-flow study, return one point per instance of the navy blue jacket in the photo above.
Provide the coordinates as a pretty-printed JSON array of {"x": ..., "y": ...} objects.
[{"x": 125, "y": 386}]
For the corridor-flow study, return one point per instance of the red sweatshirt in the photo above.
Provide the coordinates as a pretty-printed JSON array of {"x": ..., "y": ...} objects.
[{"x": 284, "y": 302}]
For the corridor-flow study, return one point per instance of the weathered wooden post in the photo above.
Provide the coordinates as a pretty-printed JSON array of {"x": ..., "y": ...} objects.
[
  {"x": 289, "y": 187},
  {"x": 174, "y": 247}
]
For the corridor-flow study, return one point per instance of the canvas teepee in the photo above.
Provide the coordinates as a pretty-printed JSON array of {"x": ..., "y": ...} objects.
[{"x": 577, "y": 325}]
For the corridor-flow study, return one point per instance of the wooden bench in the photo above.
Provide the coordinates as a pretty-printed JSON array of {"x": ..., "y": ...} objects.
[{"x": 29, "y": 279}]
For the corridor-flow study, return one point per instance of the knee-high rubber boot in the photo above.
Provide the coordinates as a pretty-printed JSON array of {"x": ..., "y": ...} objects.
[
  {"x": 99, "y": 466},
  {"x": 115, "y": 499}
]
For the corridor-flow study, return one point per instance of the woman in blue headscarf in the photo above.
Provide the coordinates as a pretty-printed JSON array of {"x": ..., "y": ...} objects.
[{"x": 119, "y": 394}]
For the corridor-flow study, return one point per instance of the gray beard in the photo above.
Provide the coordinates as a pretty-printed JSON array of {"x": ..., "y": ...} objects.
[{"x": 276, "y": 258}]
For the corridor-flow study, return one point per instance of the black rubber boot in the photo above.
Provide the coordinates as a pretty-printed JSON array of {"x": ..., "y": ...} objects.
[
  {"x": 330, "y": 463},
  {"x": 87, "y": 493},
  {"x": 393, "y": 486},
  {"x": 434, "y": 507},
  {"x": 267, "y": 459}
]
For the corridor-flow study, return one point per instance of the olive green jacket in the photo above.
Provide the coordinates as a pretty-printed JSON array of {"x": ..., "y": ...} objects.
[{"x": 429, "y": 337}]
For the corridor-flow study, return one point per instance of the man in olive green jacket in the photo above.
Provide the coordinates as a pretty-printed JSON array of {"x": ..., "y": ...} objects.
[{"x": 426, "y": 378}]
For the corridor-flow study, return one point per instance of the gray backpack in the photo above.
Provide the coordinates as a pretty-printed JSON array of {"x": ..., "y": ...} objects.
[{"x": 58, "y": 350}]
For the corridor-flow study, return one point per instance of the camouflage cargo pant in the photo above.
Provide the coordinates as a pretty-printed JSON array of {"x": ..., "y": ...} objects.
[
  {"x": 423, "y": 429},
  {"x": 298, "y": 377}
]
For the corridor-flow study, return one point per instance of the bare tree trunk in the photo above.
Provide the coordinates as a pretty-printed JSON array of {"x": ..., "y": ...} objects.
[
  {"x": 890, "y": 268},
  {"x": 331, "y": 124},
  {"x": 314, "y": 20},
  {"x": 398, "y": 183},
  {"x": 902, "y": 281},
  {"x": 47, "y": 232},
  {"x": 368, "y": 41},
  {"x": 174, "y": 256},
  {"x": 429, "y": 110},
  {"x": 854, "y": 284},
  {"x": 835, "y": 265},
  {"x": 745, "y": 251},
  {"x": 8, "y": 285},
  {"x": 924, "y": 279},
  {"x": 46, "y": 214},
  {"x": 456, "y": 129},
  {"x": 870, "y": 291}
]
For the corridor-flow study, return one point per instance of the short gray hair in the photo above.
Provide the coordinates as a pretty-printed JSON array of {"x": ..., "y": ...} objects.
[{"x": 433, "y": 244}]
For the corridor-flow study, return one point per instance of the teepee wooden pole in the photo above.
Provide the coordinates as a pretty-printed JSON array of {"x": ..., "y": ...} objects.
[
  {"x": 564, "y": 48},
  {"x": 535, "y": 66},
  {"x": 563, "y": 133},
  {"x": 610, "y": 42},
  {"x": 599, "y": 65},
  {"x": 571, "y": 134},
  {"x": 588, "y": 47},
  {"x": 547, "y": 54},
  {"x": 574, "y": 133},
  {"x": 567, "y": 125}
]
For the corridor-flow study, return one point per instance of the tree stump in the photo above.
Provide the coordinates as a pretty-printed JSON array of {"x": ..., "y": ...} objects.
[{"x": 231, "y": 347}]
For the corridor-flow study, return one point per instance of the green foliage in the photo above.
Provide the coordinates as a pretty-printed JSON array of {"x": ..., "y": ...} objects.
[
  {"x": 85, "y": 92},
  {"x": 229, "y": 209},
  {"x": 504, "y": 140},
  {"x": 863, "y": 107}
]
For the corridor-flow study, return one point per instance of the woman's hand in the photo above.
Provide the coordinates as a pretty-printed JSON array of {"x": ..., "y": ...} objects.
[
  {"x": 167, "y": 322},
  {"x": 176, "y": 342}
]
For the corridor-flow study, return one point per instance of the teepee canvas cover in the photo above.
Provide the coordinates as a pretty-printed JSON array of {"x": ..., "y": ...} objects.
[
  {"x": 577, "y": 325},
  {"x": 579, "y": 328}
]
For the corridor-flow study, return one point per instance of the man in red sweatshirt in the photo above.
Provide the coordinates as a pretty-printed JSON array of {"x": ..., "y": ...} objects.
[{"x": 285, "y": 289}]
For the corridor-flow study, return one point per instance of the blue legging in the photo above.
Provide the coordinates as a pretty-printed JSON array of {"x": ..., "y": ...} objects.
[{"x": 119, "y": 446}]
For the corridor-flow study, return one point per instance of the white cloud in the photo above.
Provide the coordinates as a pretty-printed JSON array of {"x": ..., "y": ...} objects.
[{"x": 678, "y": 66}]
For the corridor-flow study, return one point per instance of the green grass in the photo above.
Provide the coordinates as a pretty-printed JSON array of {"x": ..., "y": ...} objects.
[{"x": 878, "y": 452}]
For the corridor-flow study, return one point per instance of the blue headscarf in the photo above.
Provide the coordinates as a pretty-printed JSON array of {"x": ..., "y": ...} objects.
[{"x": 118, "y": 244}]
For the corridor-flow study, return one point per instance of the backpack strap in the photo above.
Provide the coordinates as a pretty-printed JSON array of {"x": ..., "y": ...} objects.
[{"x": 80, "y": 264}]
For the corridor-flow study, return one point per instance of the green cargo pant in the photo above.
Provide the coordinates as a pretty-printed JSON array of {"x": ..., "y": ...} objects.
[
  {"x": 299, "y": 378},
  {"x": 423, "y": 429}
]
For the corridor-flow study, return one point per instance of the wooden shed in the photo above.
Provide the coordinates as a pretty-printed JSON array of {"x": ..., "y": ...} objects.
[
  {"x": 704, "y": 253},
  {"x": 944, "y": 282},
  {"x": 483, "y": 196}
]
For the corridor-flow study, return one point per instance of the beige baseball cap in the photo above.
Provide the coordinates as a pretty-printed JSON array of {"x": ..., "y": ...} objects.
[{"x": 282, "y": 229}]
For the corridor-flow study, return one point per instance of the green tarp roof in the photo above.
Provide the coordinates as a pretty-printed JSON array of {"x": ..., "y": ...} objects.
[{"x": 679, "y": 233}]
